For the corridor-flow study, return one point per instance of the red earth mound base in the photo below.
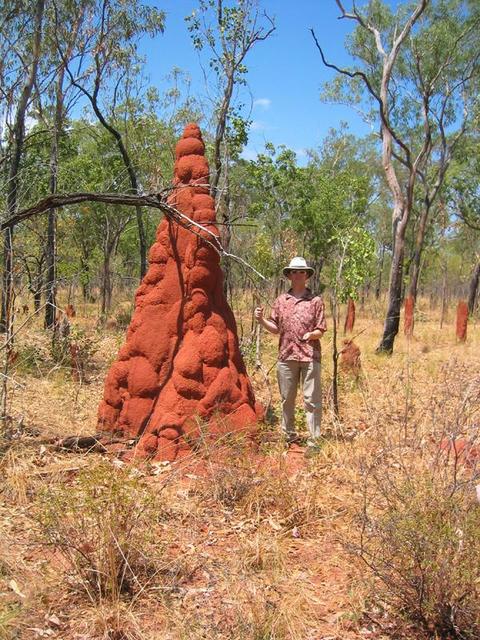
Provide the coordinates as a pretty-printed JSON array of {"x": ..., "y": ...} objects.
[{"x": 180, "y": 376}]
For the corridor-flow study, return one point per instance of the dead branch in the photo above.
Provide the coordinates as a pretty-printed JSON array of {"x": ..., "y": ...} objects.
[{"x": 154, "y": 201}]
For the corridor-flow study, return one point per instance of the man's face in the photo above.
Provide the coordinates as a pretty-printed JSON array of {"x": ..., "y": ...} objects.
[{"x": 298, "y": 277}]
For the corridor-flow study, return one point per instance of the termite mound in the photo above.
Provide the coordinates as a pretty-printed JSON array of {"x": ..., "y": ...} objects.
[
  {"x": 180, "y": 375},
  {"x": 409, "y": 316},
  {"x": 462, "y": 321},
  {"x": 350, "y": 317}
]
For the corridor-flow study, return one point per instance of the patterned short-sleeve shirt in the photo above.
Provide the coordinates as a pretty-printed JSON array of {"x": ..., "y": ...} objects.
[{"x": 294, "y": 317}]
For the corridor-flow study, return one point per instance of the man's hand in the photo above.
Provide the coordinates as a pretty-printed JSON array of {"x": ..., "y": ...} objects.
[
  {"x": 259, "y": 314},
  {"x": 268, "y": 324},
  {"x": 312, "y": 335}
]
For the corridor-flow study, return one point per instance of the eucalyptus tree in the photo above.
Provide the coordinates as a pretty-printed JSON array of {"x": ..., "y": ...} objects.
[
  {"x": 276, "y": 188},
  {"x": 96, "y": 228},
  {"x": 473, "y": 286},
  {"x": 229, "y": 30},
  {"x": 410, "y": 67},
  {"x": 463, "y": 192},
  {"x": 30, "y": 257},
  {"x": 442, "y": 65},
  {"x": 342, "y": 186},
  {"x": 22, "y": 33},
  {"x": 64, "y": 22},
  {"x": 103, "y": 66},
  {"x": 306, "y": 209}
]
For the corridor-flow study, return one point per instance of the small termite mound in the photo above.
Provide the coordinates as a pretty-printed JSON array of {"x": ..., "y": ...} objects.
[
  {"x": 408, "y": 321},
  {"x": 350, "y": 358},
  {"x": 462, "y": 321},
  {"x": 350, "y": 317}
]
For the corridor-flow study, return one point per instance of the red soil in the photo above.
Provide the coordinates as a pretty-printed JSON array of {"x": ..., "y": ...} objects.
[{"x": 180, "y": 374}]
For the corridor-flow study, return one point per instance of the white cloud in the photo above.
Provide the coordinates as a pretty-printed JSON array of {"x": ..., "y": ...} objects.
[
  {"x": 301, "y": 153},
  {"x": 264, "y": 103},
  {"x": 249, "y": 154},
  {"x": 257, "y": 125}
]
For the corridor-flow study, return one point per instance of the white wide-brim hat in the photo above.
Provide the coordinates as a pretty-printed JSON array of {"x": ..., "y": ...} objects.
[{"x": 298, "y": 264}]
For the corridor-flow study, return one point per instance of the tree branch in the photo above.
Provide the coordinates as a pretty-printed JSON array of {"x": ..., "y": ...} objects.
[
  {"x": 371, "y": 90},
  {"x": 155, "y": 201},
  {"x": 366, "y": 25}
]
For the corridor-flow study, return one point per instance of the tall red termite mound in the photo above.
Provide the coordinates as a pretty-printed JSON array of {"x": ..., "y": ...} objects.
[
  {"x": 180, "y": 370},
  {"x": 462, "y": 321},
  {"x": 408, "y": 320},
  {"x": 350, "y": 317}
]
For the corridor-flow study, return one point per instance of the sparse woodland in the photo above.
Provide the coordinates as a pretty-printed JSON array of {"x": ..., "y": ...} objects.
[{"x": 374, "y": 536}]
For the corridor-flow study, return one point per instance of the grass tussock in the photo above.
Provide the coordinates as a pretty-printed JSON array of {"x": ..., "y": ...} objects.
[{"x": 100, "y": 526}]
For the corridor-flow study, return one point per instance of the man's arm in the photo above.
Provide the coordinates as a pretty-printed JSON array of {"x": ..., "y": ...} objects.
[
  {"x": 268, "y": 324},
  {"x": 321, "y": 327},
  {"x": 316, "y": 334}
]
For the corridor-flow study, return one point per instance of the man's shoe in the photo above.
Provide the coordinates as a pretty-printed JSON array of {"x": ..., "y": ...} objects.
[
  {"x": 313, "y": 448},
  {"x": 312, "y": 452}
]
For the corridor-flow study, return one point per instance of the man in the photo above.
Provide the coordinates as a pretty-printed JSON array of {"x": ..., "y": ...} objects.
[{"x": 298, "y": 317}]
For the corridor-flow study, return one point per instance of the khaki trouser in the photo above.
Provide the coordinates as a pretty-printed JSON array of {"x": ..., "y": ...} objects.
[{"x": 289, "y": 375}]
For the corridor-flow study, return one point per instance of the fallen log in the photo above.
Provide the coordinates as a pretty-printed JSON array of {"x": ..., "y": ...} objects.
[{"x": 81, "y": 443}]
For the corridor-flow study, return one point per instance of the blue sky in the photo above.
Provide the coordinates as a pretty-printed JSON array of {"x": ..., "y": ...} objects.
[{"x": 285, "y": 72}]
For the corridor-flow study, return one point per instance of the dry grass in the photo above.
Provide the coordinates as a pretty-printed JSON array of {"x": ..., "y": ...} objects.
[{"x": 242, "y": 546}]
